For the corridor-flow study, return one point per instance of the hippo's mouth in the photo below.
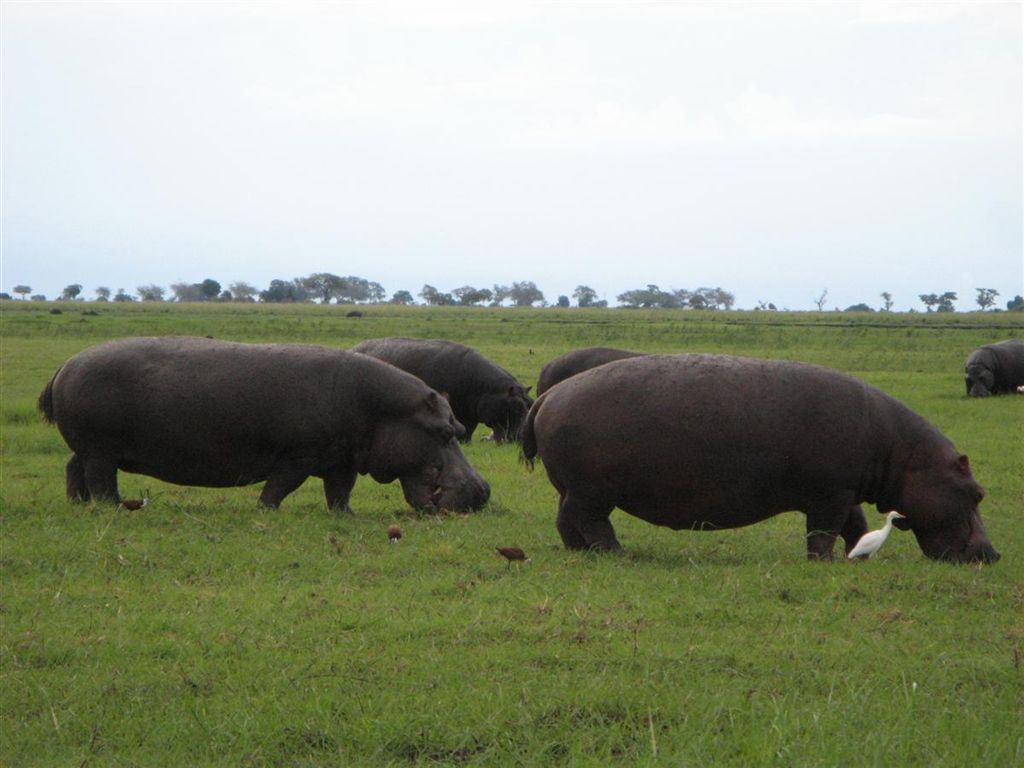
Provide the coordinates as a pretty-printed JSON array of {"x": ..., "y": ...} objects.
[
  {"x": 423, "y": 496},
  {"x": 985, "y": 554},
  {"x": 956, "y": 544},
  {"x": 436, "y": 496}
]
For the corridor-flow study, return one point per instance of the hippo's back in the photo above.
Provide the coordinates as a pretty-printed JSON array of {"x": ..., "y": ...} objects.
[
  {"x": 718, "y": 398},
  {"x": 441, "y": 363},
  {"x": 199, "y": 411},
  {"x": 578, "y": 360},
  {"x": 167, "y": 377}
]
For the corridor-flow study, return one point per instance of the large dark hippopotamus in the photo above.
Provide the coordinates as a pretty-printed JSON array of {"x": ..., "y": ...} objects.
[
  {"x": 995, "y": 369},
  {"x": 210, "y": 413},
  {"x": 707, "y": 441},
  {"x": 479, "y": 390},
  {"x": 577, "y": 361}
]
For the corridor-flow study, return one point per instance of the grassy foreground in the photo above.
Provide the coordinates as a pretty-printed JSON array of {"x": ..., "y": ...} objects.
[{"x": 202, "y": 630}]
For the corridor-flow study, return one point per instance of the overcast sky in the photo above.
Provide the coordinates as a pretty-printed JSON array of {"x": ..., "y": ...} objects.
[{"x": 773, "y": 149}]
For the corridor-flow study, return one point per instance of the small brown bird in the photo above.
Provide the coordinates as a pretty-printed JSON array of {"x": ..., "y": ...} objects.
[
  {"x": 394, "y": 533},
  {"x": 511, "y": 553},
  {"x": 134, "y": 504}
]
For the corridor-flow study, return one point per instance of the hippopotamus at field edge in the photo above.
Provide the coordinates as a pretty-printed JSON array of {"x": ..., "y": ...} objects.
[
  {"x": 479, "y": 390},
  {"x": 194, "y": 411},
  {"x": 995, "y": 369},
  {"x": 712, "y": 441},
  {"x": 577, "y": 361}
]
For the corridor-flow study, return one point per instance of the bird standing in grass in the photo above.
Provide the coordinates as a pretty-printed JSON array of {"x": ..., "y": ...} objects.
[
  {"x": 134, "y": 504},
  {"x": 872, "y": 541},
  {"x": 512, "y": 553},
  {"x": 394, "y": 533}
]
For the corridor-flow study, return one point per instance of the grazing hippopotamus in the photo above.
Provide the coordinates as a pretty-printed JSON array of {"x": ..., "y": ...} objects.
[
  {"x": 577, "y": 361},
  {"x": 479, "y": 390},
  {"x": 194, "y": 411},
  {"x": 708, "y": 441},
  {"x": 995, "y": 369}
]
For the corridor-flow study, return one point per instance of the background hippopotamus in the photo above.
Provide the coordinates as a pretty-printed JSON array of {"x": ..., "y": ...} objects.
[
  {"x": 707, "y": 441},
  {"x": 995, "y": 369},
  {"x": 577, "y": 361},
  {"x": 211, "y": 413},
  {"x": 479, "y": 390}
]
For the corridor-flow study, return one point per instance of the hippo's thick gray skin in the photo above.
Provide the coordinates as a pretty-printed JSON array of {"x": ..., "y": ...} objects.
[
  {"x": 479, "y": 390},
  {"x": 211, "y": 413},
  {"x": 577, "y": 361},
  {"x": 995, "y": 369},
  {"x": 707, "y": 441}
]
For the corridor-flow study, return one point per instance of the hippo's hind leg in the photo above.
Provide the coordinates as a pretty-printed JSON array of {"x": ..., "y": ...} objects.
[
  {"x": 585, "y": 526},
  {"x": 856, "y": 526},
  {"x": 100, "y": 475},
  {"x": 284, "y": 478},
  {"x": 830, "y": 517},
  {"x": 338, "y": 486},
  {"x": 74, "y": 474},
  {"x": 571, "y": 536}
]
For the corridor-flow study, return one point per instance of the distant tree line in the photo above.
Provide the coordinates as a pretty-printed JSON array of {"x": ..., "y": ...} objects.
[
  {"x": 326, "y": 288},
  {"x": 652, "y": 297}
]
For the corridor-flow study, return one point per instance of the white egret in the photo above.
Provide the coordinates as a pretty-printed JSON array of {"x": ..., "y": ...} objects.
[{"x": 872, "y": 541}]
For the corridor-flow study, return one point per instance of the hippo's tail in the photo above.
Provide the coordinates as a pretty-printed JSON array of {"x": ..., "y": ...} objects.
[
  {"x": 527, "y": 437},
  {"x": 45, "y": 402}
]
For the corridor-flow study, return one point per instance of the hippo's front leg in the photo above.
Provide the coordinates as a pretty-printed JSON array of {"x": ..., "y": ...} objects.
[
  {"x": 338, "y": 485},
  {"x": 467, "y": 437},
  {"x": 829, "y": 517}
]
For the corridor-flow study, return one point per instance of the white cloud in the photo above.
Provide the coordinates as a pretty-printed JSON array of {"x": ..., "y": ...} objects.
[
  {"x": 928, "y": 13},
  {"x": 655, "y": 142},
  {"x": 611, "y": 126}
]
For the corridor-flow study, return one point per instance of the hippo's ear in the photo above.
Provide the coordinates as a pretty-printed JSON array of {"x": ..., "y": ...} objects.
[
  {"x": 963, "y": 465},
  {"x": 517, "y": 392},
  {"x": 434, "y": 401}
]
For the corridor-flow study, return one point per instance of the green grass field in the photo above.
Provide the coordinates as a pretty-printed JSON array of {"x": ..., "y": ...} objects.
[{"x": 203, "y": 630}]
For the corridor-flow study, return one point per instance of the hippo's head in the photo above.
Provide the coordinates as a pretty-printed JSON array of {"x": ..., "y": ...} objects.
[
  {"x": 505, "y": 411},
  {"x": 979, "y": 373},
  {"x": 422, "y": 451},
  {"x": 939, "y": 499}
]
